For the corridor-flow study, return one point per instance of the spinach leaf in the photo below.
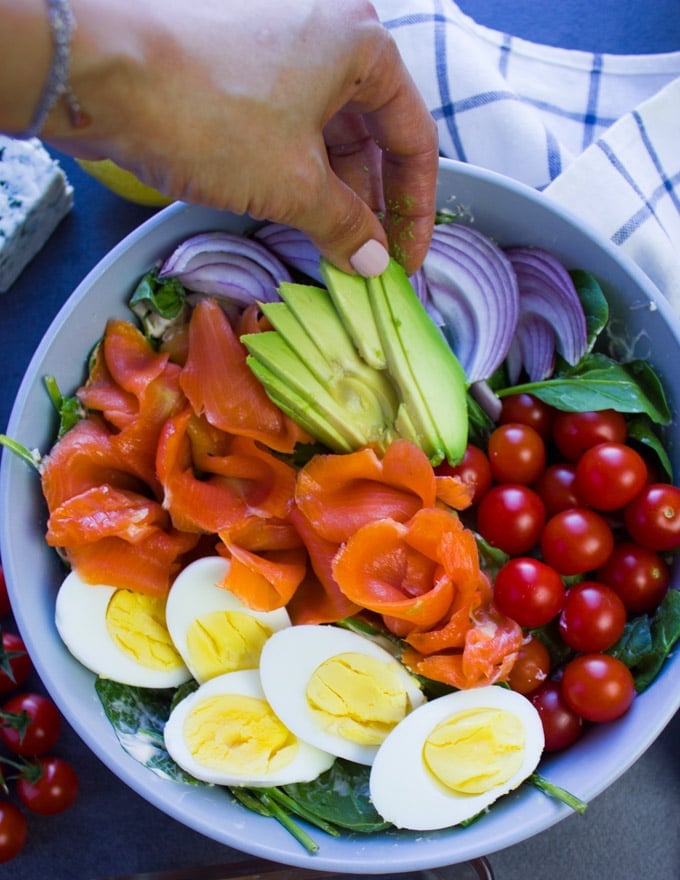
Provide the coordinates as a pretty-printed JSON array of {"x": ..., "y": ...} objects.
[
  {"x": 594, "y": 304},
  {"x": 160, "y": 304},
  {"x": 69, "y": 409},
  {"x": 138, "y": 716},
  {"x": 641, "y": 431},
  {"x": 598, "y": 382},
  {"x": 635, "y": 645},
  {"x": 647, "y": 641},
  {"x": 340, "y": 796},
  {"x": 665, "y": 632}
]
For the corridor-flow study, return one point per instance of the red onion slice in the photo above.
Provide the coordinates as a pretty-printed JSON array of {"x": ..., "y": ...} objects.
[
  {"x": 292, "y": 247},
  {"x": 533, "y": 349},
  {"x": 238, "y": 269},
  {"x": 546, "y": 290},
  {"x": 472, "y": 285}
]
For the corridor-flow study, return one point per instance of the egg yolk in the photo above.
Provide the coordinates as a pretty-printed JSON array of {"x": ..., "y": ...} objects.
[
  {"x": 239, "y": 735},
  {"x": 476, "y": 750},
  {"x": 357, "y": 697},
  {"x": 135, "y": 623},
  {"x": 224, "y": 641}
]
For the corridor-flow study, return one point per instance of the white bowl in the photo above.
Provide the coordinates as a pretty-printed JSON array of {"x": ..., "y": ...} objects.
[{"x": 512, "y": 214}]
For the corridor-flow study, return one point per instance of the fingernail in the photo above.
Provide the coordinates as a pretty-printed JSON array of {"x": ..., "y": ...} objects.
[{"x": 370, "y": 259}]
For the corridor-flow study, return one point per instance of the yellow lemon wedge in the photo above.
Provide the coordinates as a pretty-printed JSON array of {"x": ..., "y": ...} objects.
[{"x": 123, "y": 183}]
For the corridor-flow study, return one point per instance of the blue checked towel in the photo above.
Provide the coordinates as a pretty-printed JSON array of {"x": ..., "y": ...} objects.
[{"x": 598, "y": 133}]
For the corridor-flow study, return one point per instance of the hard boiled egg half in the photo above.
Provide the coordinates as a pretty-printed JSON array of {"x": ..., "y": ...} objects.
[
  {"x": 454, "y": 756},
  {"x": 211, "y": 628},
  {"x": 226, "y": 733},
  {"x": 336, "y": 689},
  {"x": 119, "y": 634}
]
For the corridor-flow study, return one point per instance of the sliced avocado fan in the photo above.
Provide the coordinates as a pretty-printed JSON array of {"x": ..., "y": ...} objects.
[{"x": 362, "y": 364}]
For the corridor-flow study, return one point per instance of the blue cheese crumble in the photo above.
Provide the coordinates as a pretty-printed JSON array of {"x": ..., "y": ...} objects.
[{"x": 35, "y": 196}]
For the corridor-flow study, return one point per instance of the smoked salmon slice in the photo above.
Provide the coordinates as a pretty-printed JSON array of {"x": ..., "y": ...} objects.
[
  {"x": 488, "y": 654},
  {"x": 263, "y": 581},
  {"x": 219, "y": 384},
  {"x": 149, "y": 566},
  {"x": 340, "y": 493}
]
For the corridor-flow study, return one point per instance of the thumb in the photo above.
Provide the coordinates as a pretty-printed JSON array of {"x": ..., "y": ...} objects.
[{"x": 345, "y": 230}]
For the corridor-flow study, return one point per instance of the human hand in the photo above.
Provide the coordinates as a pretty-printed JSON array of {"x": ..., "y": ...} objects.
[{"x": 298, "y": 111}]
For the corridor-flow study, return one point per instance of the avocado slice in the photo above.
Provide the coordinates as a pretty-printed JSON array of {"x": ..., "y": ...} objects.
[
  {"x": 349, "y": 405},
  {"x": 350, "y": 297},
  {"x": 311, "y": 367},
  {"x": 299, "y": 407},
  {"x": 430, "y": 379}
]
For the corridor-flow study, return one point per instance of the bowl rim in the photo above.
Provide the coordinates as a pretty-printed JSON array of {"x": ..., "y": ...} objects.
[{"x": 406, "y": 850}]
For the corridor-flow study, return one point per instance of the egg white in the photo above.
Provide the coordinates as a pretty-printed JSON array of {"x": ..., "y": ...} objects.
[
  {"x": 80, "y": 617},
  {"x": 308, "y": 762},
  {"x": 405, "y": 792},
  {"x": 287, "y": 663},
  {"x": 195, "y": 593}
]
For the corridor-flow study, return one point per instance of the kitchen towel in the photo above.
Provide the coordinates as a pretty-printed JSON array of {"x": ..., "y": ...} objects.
[{"x": 598, "y": 133}]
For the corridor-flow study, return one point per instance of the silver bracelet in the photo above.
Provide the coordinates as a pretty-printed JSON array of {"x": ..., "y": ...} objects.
[{"x": 57, "y": 88}]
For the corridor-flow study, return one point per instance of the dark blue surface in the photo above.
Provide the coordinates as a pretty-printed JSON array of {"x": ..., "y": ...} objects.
[
  {"x": 593, "y": 25},
  {"x": 629, "y": 832}
]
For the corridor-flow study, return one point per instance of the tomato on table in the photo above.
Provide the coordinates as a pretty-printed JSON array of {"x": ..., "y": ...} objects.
[
  {"x": 13, "y": 831},
  {"x": 5, "y": 606},
  {"x": 42, "y": 729},
  {"x": 15, "y": 664},
  {"x": 598, "y": 687},
  {"x": 51, "y": 789}
]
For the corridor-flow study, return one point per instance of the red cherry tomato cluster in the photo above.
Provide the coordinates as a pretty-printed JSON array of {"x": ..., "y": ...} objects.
[
  {"x": 30, "y": 726},
  {"x": 585, "y": 524}
]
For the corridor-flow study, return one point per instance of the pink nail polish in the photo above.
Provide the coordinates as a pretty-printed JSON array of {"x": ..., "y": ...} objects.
[{"x": 370, "y": 259}]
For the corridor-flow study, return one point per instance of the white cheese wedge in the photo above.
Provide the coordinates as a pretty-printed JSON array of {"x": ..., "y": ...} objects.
[{"x": 35, "y": 196}]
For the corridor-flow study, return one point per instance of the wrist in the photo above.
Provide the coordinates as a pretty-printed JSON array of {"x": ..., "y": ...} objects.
[{"x": 25, "y": 59}]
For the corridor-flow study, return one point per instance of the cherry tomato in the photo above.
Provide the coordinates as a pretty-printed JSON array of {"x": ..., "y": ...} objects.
[
  {"x": 561, "y": 725},
  {"x": 15, "y": 664},
  {"x": 610, "y": 475},
  {"x": 5, "y": 606},
  {"x": 13, "y": 831},
  {"x": 653, "y": 517},
  {"x": 576, "y": 541},
  {"x": 598, "y": 686},
  {"x": 639, "y": 575},
  {"x": 42, "y": 730},
  {"x": 593, "y": 617},
  {"x": 531, "y": 668},
  {"x": 557, "y": 487},
  {"x": 473, "y": 469},
  {"x": 527, "y": 410},
  {"x": 529, "y": 591},
  {"x": 53, "y": 791},
  {"x": 511, "y": 517},
  {"x": 574, "y": 432},
  {"x": 516, "y": 453}
]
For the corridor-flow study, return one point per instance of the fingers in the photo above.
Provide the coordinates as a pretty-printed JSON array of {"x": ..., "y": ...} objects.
[
  {"x": 344, "y": 228},
  {"x": 383, "y": 147}
]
